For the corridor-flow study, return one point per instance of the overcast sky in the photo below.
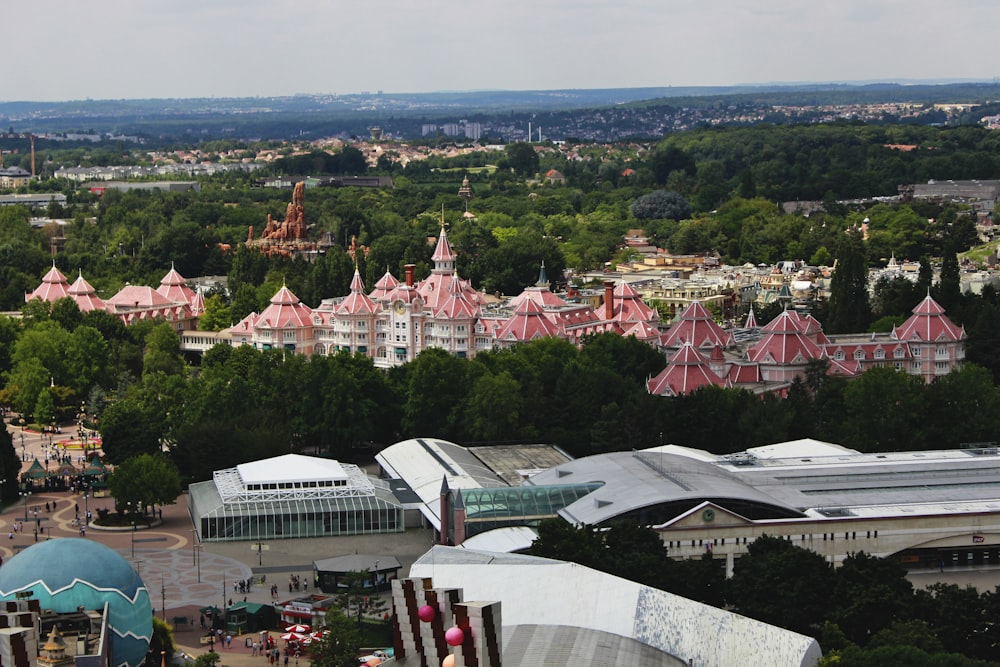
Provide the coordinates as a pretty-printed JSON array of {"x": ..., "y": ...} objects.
[{"x": 68, "y": 49}]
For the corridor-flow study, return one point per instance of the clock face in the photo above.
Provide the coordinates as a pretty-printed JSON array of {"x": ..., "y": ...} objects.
[
  {"x": 708, "y": 515},
  {"x": 400, "y": 307}
]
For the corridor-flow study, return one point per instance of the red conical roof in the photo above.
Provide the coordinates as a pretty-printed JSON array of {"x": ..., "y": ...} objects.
[
  {"x": 54, "y": 287},
  {"x": 85, "y": 295},
  {"x": 174, "y": 287},
  {"x": 443, "y": 252},
  {"x": 697, "y": 327},
  {"x": 357, "y": 302},
  {"x": 527, "y": 323},
  {"x": 688, "y": 370},
  {"x": 928, "y": 323}
]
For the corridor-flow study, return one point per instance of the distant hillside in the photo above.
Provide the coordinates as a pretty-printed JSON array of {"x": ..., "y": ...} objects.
[{"x": 506, "y": 113}]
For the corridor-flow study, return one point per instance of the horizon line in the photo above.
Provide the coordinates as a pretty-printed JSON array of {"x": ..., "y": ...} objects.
[{"x": 939, "y": 81}]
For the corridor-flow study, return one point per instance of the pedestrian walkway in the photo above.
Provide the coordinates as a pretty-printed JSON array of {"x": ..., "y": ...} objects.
[{"x": 181, "y": 575}]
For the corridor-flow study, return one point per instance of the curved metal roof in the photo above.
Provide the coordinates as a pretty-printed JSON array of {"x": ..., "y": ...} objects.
[
  {"x": 423, "y": 462},
  {"x": 637, "y": 480}
]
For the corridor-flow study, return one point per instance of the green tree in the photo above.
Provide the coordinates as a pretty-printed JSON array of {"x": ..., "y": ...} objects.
[
  {"x": 495, "y": 407},
  {"x": 45, "y": 408},
  {"x": 560, "y": 540},
  {"x": 960, "y": 407},
  {"x": 661, "y": 205},
  {"x": 161, "y": 643},
  {"x": 87, "y": 359},
  {"x": 883, "y": 409},
  {"x": 163, "y": 351},
  {"x": 339, "y": 646},
  {"x": 355, "y": 597},
  {"x": 782, "y": 584},
  {"x": 870, "y": 594},
  {"x": 27, "y": 381},
  {"x": 917, "y": 634},
  {"x": 130, "y": 427},
  {"x": 9, "y": 331},
  {"x": 958, "y": 616},
  {"x": 10, "y": 468},
  {"x": 522, "y": 159},
  {"x": 46, "y": 342},
  {"x": 437, "y": 387},
  {"x": 217, "y": 315},
  {"x": 209, "y": 659},
  {"x": 949, "y": 291},
  {"x": 848, "y": 310},
  {"x": 144, "y": 481}
]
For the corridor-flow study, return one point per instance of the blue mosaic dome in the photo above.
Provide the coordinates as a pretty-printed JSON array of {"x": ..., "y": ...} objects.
[{"x": 69, "y": 573}]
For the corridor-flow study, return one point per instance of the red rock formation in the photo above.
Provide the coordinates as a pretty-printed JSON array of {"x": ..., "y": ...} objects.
[{"x": 287, "y": 237}]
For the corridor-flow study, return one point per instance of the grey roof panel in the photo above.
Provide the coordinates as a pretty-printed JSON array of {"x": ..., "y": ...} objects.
[{"x": 634, "y": 480}]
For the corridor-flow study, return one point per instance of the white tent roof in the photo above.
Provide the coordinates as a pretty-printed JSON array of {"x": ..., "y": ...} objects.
[
  {"x": 508, "y": 539},
  {"x": 807, "y": 447},
  {"x": 291, "y": 468}
]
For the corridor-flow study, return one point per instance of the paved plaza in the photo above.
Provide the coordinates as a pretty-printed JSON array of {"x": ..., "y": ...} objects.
[{"x": 180, "y": 574}]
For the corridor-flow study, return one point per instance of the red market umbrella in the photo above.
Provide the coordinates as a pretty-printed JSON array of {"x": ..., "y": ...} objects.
[
  {"x": 299, "y": 628},
  {"x": 292, "y": 636}
]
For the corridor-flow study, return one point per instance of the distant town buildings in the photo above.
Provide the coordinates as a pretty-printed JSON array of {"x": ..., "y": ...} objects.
[
  {"x": 124, "y": 172},
  {"x": 463, "y": 128},
  {"x": 33, "y": 200},
  {"x": 14, "y": 177}
]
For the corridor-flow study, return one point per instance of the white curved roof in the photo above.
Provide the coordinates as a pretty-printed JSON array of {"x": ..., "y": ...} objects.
[
  {"x": 806, "y": 447},
  {"x": 550, "y": 593},
  {"x": 425, "y": 462},
  {"x": 509, "y": 539}
]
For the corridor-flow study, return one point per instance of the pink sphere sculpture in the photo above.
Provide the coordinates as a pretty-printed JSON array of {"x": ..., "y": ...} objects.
[
  {"x": 426, "y": 613},
  {"x": 454, "y": 636}
]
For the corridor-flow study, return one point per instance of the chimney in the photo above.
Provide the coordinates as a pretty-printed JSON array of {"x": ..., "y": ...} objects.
[
  {"x": 409, "y": 269},
  {"x": 609, "y": 300}
]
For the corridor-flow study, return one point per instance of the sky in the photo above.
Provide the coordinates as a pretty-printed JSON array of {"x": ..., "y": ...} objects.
[{"x": 127, "y": 49}]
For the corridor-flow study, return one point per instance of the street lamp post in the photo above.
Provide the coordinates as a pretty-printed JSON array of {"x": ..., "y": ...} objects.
[
  {"x": 260, "y": 556},
  {"x": 25, "y": 493},
  {"x": 133, "y": 537}
]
